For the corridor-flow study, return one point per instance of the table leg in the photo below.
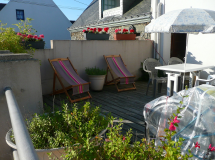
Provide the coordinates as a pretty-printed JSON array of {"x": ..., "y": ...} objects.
[
  {"x": 197, "y": 74},
  {"x": 183, "y": 80},
  {"x": 191, "y": 80},
  {"x": 169, "y": 86},
  {"x": 175, "y": 90}
]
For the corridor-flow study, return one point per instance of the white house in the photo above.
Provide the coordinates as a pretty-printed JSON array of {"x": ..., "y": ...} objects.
[
  {"x": 48, "y": 18},
  {"x": 201, "y": 48}
]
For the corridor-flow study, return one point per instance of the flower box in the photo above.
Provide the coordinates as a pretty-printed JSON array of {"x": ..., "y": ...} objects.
[
  {"x": 124, "y": 36},
  {"x": 36, "y": 44},
  {"x": 43, "y": 153},
  {"x": 93, "y": 36}
]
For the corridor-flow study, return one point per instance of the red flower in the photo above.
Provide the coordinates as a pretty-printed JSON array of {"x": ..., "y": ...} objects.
[
  {"x": 42, "y": 36},
  {"x": 210, "y": 148},
  {"x": 124, "y": 30},
  {"x": 39, "y": 38},
  {"x": 35, "y": 37},
  {"x": 123, "y": 138},
  {"x": 116, "y": 30},
  {"x": 24, "y": 35},
  {"x": 131, "y": 31},
  {"x": 84, "y": 30},
  {"x": 107, "y": 139},
  {"x": 99, "y": 29},
  {"x": 197, "y": 145},
  {"x": 19, "y": 34},
  {"x": 106, "y": 29},
  {"x": 29, "y": 36},
  {"x": 175, "y": 120},
  {"x": 172, "y": 127},
  {"x": 91, "y": 29},
  {"x": 94, "y": 29},
  {"x": 88, "y": 28}
]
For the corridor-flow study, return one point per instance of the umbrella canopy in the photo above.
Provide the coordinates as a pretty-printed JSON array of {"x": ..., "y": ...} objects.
[{"x": 189, "y": 20}]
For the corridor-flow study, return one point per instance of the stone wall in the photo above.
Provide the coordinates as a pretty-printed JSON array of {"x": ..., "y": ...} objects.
[{"x": 140, "y": 28}]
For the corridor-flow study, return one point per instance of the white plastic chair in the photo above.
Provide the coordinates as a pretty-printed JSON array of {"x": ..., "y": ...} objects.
[
  {"x": 149, "y": 66},
  {"x": 209, "y": 80}
]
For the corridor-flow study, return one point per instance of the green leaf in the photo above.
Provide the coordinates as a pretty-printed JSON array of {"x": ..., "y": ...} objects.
[{"x": 175, "y": 124}]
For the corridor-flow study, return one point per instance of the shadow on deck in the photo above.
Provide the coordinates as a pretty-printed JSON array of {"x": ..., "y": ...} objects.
[{"x": 127, "y": 105}]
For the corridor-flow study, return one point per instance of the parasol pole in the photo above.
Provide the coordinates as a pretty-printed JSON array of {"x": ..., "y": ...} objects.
[{"x": 185, "y": 61}]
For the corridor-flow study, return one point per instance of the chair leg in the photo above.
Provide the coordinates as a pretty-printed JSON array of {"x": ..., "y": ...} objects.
[
  {"x": 155, "y": 86},
  {"x": 179, "y": 83},
  {"x": 148, "y": 86},
  {"x": 159, "y": 87}
]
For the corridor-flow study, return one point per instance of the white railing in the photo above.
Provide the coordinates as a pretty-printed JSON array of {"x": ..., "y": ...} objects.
[{"x": 25, "y": 148}]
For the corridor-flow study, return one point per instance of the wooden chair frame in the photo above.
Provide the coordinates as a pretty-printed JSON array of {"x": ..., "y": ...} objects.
[
  {"x": 116, "y": 80},
  {"x": 69, "y": 87}
]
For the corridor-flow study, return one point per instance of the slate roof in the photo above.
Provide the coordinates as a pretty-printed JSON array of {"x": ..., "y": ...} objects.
[
  {"x": 90, "y": 16},
  {"x": 2, "y": 5}
]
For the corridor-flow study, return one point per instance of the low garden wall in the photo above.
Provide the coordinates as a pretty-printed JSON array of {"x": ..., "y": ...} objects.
[
  {"x": 90, "y": 54},
  {"x": 22, "y": 74}
]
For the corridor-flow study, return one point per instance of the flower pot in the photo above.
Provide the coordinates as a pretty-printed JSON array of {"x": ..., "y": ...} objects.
[
  {"x": 92, "y": 36},
  {"x": 97, "y": 82},
  {"x": 124, "y": 36},
  {"x": 36, "y": 45},
  {"x": 43, "y": 153}
]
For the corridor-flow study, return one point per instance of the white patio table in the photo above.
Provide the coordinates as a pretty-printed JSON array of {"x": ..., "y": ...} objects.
[{"x": 173, "y": 72}]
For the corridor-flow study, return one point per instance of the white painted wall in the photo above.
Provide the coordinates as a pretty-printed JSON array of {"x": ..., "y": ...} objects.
[
  {"x": 48, "y": 18},
  {"x": 201, "y": 47}
]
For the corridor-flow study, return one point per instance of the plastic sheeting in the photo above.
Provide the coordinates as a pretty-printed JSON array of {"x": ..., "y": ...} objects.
[{"x": 197, "y": 123}]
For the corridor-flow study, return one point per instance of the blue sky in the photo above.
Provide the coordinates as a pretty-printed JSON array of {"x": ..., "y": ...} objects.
[{"x": 71, "y": 8}]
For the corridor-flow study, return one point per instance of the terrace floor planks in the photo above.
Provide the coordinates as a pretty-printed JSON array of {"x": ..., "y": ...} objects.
[{"x": 127, "y": 105}]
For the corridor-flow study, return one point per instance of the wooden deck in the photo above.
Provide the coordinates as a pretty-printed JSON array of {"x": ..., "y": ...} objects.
[{"x": 127, "y": 105}]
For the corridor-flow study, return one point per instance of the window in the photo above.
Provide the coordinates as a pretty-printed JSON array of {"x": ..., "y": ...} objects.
[
  {"x": 20, "y": 14},
  {"x": 108, "y": 4}
]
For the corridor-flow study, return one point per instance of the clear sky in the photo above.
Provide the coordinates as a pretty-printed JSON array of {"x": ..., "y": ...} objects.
[{"x": 71, "y": 8}]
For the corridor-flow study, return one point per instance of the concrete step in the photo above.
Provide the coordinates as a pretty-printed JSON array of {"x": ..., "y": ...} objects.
[{"x": 4, "y": 52}]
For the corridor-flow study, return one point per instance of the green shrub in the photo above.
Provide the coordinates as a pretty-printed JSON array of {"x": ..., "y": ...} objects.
[
  {"x": 66, "y": 127},
  {"x": 95, "y": 71},
  {"x": 9, "y": 40}
]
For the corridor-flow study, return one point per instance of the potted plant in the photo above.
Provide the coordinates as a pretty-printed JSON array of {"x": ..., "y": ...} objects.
[
  {"x": 27, "y": 36},
  {"x": 96, "y": 34},
  {"x": 124, "y": 35},
  {"x": 33, "y": 41},
  {"x": 96, "y": 77},
  {"x": 54, "y": 134}
]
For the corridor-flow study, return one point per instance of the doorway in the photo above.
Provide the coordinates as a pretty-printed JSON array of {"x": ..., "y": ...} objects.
[{"x": 178, "y": 45}]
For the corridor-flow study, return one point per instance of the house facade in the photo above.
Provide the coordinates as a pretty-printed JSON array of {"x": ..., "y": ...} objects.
[
  {"x": 48, "y": 19},
  {"x": 114, "y": 14},
  {"x": 201, "y": 49}
]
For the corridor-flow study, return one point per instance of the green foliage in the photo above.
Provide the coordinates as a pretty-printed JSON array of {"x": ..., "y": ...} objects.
[
  {"x": 9, "y": 40},
  {"x": 65, "y": 128},
  {"x": 116, "y": 147},
  {"x": 25, "y": 27},
  {"x": 95, "y": 71}
]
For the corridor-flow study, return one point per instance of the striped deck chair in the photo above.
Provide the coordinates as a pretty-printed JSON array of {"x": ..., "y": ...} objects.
[
  {"x": 115, "y": 64},
  {"x": 64, "y": 68}
]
